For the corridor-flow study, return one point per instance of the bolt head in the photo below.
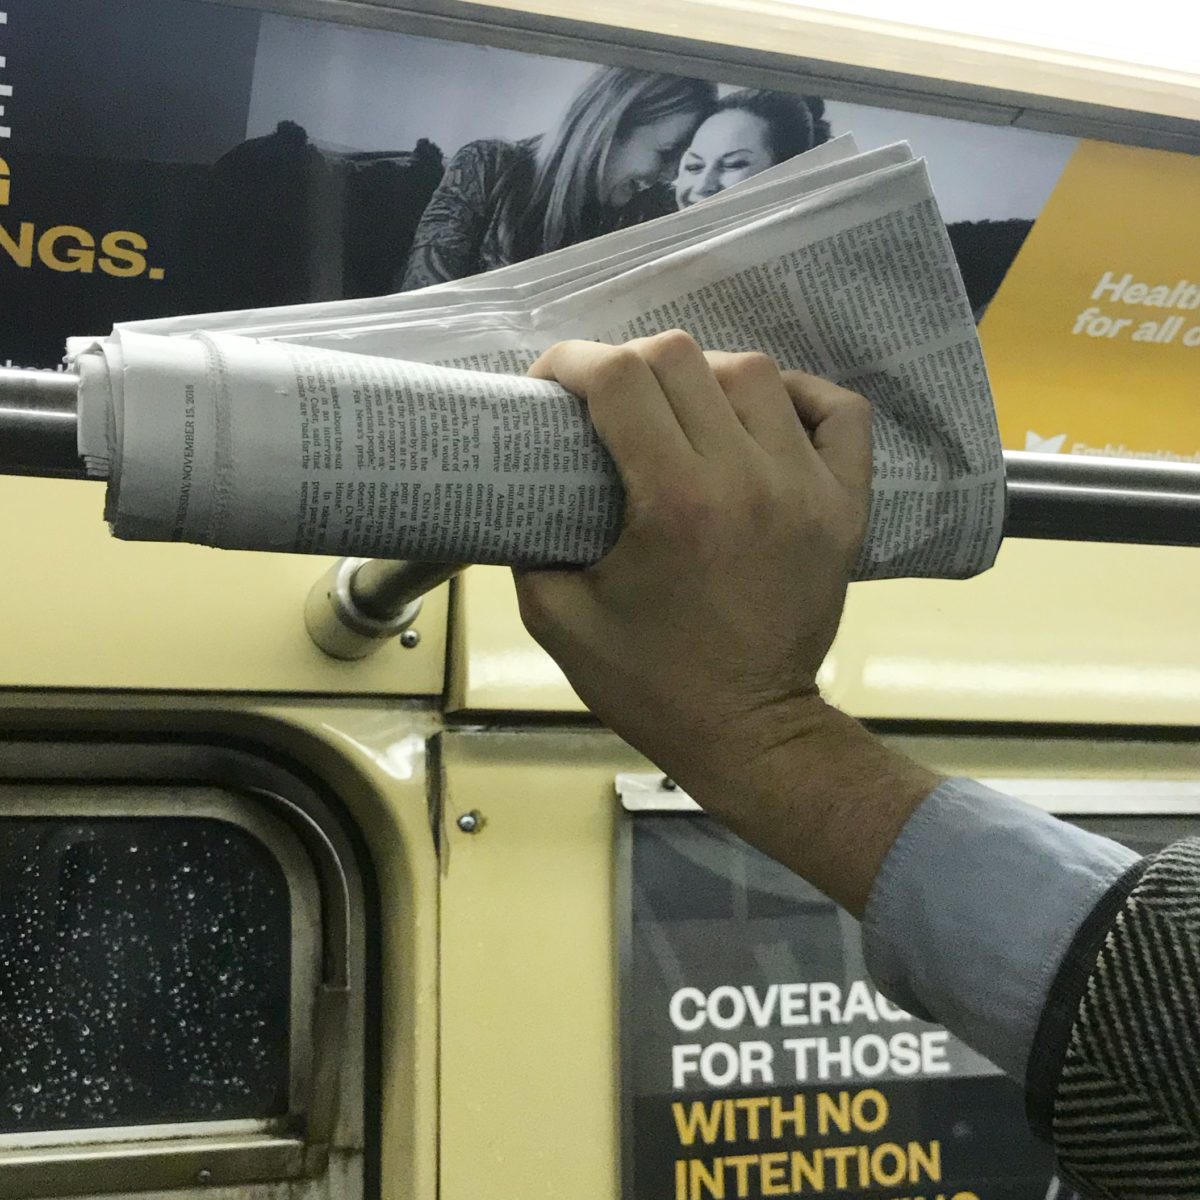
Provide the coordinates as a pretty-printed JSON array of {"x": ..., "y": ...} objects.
[
  {"x": 204, "y": 1175},
  {"x": 410, "y": 639},
  {"x": 469, "y": 822}
]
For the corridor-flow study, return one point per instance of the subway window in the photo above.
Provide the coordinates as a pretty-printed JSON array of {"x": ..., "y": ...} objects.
[
  {"x": 182, "y": 983},
  {"x": 147, "y": 973}
]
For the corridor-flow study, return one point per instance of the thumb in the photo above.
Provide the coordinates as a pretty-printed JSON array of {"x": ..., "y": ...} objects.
[{"x": 839, "y": 425}]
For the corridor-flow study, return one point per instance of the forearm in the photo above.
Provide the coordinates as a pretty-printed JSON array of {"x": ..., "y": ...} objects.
[
  {"x": 809, "y": 786},
  {"x": 969, "y": 897}
]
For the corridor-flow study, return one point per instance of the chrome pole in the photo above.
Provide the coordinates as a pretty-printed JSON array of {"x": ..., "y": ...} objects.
[
  {"x": 360, "y": 604},
  {"x": 38, "y": 423},
  {"x": 1078, "y": 498},
  {"x": 381, "y": 589}
]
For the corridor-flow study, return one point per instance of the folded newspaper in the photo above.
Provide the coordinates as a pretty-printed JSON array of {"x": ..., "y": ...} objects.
[{"x": 404, "y": 426}]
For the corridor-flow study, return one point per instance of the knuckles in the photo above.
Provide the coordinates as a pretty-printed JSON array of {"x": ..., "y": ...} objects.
[
  {"x": 673, "y": 341},
  {"x": 689, "y": 512},
  {"x": 858, "y": 404},
  {"x": 672, "y": 348},
  {"x": 749, "y": 368},
  {"x": 621, "y": 367}
]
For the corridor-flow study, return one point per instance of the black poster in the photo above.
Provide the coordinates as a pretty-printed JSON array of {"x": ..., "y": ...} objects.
[
  {"x": 759, "y": 1060},
  {"x": 162, "y": 157}
]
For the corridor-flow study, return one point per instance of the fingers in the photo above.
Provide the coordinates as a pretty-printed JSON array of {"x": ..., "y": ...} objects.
[
  {"x": 839, "y": 424},
  {"x": 627, "y": 406},
  {"x": 701, "y": 406},
  {"x": 615, "y": 380},
  {"x": 756, "y": 392},
  {"x": 661, "y": 398}
]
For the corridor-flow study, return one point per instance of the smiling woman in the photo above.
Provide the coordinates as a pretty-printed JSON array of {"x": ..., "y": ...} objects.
[
  {"x": 750, "y": 131},
  {"x": 501, "y": 202}
]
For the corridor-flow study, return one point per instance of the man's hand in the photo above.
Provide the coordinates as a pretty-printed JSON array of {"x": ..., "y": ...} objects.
[
  {"x": 708, "y": 620},
  {"x": 698, "y": 637}
]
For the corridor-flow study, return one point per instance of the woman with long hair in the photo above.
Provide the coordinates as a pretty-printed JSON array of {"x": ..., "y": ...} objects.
[
  {"x": 501, "y": 202},
  {"x": 750, "y": 131}
]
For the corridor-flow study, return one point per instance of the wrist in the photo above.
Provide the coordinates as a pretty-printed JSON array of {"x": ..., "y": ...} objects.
[{"x": 811, "y": 787}]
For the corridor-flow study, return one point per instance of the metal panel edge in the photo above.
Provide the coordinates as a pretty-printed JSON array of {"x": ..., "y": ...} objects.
[{"x": 572, "y": 37}]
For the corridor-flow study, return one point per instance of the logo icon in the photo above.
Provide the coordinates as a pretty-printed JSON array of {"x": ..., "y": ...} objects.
[{"x": 1040, "y": 445}]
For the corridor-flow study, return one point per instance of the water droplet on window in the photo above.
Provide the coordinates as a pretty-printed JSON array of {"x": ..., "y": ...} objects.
[{"x": 120, "y": 1015}]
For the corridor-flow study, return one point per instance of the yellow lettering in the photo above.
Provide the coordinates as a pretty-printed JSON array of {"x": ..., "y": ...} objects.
[
  {"x": 5, "y": 183},
  {"x": 927, "y": 1159},
  {"x": 713, "y": 1181},
  {"x": 20, "y": 252},
  {"x": 858, "y": 1106},
  {"x": 123, "y": 258},
  {"x": 781, "y": 1116},
  {"x": 827, "y": 1111},
  {"x": 884, "y": 1173},
  {"x": 810, "y": 1169},
  {"x": 741, "y": 1164},
  {"x": 752, "y": 1106},
  {"x": 840, "y": 1155},
  {"x": 80, "y": 257},
  {"x": 774, "y": 1174},
  {"x": 701, "y": 1118}
]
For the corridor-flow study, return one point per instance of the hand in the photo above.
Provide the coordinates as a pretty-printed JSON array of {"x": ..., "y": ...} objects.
[{"x": 698, "y": 637}]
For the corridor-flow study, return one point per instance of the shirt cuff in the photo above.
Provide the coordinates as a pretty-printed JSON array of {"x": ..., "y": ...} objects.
[{"x": 974, "y": 908}]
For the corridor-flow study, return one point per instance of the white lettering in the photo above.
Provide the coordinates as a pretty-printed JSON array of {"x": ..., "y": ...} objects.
[
  {"x": 735, "y": 1005},
  {"x": 793, "y": 1001},
  {"x": 729, "y": 1007},
  {"x": 722, "y": 1063},
  {"x": 687, "y": 995},
  {"x": 683, "y": 1064},
  {"x": 860, "y": 1002},
  {"x": 1108, "y": 284},
  {"x": 933, "y": 1052},
  {"x": 761, "y": 1010},
  {"x": 825, "y": 998},
  {"x": 869, "y": 1056},
  {"x": 5, "y": 91}
]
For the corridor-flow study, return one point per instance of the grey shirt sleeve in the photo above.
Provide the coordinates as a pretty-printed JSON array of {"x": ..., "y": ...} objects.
[{"x": 974, "y": 909}]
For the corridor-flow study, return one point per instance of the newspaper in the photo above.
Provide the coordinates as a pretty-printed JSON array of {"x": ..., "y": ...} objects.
[{"x": 405, "y": 427}]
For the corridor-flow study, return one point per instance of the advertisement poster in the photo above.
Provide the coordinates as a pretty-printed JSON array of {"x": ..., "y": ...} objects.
[
  {"x": 759, "y": 1060},
  {"x": 162, "y": 157},
  {"x": 1093, "y": 342}
]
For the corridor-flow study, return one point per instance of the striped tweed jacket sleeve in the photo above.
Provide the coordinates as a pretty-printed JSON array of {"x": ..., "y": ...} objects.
[{"x": 1114, "y": 1076}]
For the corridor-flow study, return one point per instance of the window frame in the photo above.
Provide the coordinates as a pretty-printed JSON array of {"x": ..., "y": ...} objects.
[
  {"x": 295, "y": 825},
  {"x": 1068, "y": 796},
  {"x": 561, "y": 32}
]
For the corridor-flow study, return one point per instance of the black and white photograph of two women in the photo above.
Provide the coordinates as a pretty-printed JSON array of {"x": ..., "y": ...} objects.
[{"x": 268, "y": 160}]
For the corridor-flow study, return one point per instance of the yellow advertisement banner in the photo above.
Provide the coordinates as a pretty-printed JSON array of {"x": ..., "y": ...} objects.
[{"x": 1093, "y": 340}]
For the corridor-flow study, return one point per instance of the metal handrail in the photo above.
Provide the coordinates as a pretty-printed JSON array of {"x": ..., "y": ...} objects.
[
  {"x": 1085, "y": 498},
  {"x": 39, "y": 423},
  {"x": 359, "y": 605}
]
